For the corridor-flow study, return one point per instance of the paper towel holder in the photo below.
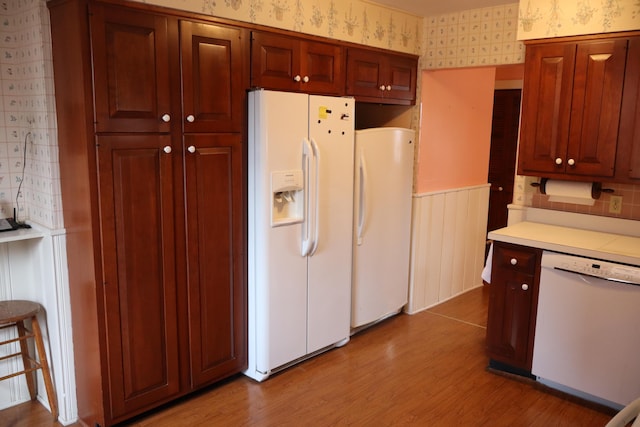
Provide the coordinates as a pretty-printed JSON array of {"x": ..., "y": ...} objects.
[{"x": 596, "y": 188}]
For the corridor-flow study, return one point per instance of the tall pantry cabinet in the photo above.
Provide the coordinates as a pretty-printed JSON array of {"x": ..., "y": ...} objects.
[{"x": 150, "y": 130}]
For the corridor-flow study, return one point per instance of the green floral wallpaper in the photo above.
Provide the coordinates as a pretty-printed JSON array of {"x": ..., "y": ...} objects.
[
  {"x": 555, "y": 18},
  {"x": 354, "y": 21}
]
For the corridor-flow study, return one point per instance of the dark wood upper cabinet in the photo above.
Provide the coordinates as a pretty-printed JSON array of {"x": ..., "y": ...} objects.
[
  {"x": 293, "y": 64},
  {"x": 571, "y": 110},
  {"x": 595, "y": 107},
  {"x": 628, "y": 157},
  {"x": 131, "y": 71},
  {"x": 546, "y": 106},
  {"x": 211, "y": 57},
  {"x": 381, "y": 77}
]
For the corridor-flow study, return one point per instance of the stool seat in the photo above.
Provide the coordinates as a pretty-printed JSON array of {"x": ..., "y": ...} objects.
[
  {"x": 14, "y": 314},
  {"x": 12, "y": 311}
]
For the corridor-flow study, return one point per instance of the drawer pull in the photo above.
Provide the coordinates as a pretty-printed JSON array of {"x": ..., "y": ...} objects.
[
  {"x": 525, "y": 287},
  {"x": 514, "y": 261}
]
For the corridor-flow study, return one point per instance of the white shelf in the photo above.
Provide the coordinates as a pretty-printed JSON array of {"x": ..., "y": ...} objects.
[{"x": 20, "y": 234}]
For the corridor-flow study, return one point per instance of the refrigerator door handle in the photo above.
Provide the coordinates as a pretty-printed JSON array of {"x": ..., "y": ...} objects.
[
  {"x": 362, "y": 199},
  {"x": 307, "y": 155},
  {"x": 313, "y": 197}
]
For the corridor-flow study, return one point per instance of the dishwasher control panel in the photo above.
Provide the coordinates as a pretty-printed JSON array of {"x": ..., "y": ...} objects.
[{"x": 591, "y": 267}]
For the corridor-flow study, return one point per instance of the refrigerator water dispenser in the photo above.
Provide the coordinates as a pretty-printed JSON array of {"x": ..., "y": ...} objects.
[{"x": 287, "y": 197}]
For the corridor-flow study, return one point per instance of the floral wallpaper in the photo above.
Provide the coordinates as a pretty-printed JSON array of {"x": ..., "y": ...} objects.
[
  {"x": 28, "y": 151},
  {"x": 471, "y": 38},
  {"x": 556, "y": 18},
  {"x": 356, "y": 21}
]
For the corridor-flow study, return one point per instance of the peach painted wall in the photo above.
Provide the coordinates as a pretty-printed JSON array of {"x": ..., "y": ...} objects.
[{"x": 455, "y": 129}]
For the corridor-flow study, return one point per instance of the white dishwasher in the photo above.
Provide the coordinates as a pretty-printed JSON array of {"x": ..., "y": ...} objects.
[{"x": 587, "y": 339}]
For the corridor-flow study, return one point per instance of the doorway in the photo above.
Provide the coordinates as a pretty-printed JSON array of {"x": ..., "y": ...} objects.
[{"x": 502, "y": 158}]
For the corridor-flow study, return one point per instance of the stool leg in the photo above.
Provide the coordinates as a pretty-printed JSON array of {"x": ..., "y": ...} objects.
[
  {"x": 46, "y": 373},
  {"x": 24, "y": 350}
]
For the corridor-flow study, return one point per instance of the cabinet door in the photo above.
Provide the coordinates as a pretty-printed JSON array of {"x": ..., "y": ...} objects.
[
  {"x": 131, "y": 70},
  {"x": 136, "y": 211},
  {"x": 212, "y": 77},
  {"x": 215, "y": 256},
  {"x": 628, "y": 163},
  {"x": 401, "y": 82},
  {"x": 512, "y": 305},
  {"x": 546, "y": 107},
  {"x": 595, "y": 112},
  {"x": 275, "y": 62},
  {"x": 379, "y": 77},
  {"x": 364, "y": 73},
  {"x": 321, "y": 68}
]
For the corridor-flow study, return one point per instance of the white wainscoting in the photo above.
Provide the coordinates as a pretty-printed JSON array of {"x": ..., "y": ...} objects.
[
  {"x": 448, "y": 239},
  {"x": 36, "y": 269}
]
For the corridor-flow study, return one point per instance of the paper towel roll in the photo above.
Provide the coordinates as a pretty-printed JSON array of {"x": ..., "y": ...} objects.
[{"x": 580, "y": 193}]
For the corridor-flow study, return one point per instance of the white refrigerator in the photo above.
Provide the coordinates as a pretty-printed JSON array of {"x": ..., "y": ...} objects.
[
  {"x": 382, "y": 223},
  {"x": 300, "y": 200}
]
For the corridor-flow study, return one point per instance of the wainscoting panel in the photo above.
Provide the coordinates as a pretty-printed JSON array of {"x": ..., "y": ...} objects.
[
  {"x": 36, "y": 269},
  {"x": 447, "y": 244}
]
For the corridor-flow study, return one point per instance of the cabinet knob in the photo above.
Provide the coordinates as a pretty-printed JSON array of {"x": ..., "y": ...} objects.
[
  {"x": 191, "y": 149},
  {"x": 525, "y": 287},
  {"x": 388, "y": 87},
  {"x": 500, "y": 188},
  {"x": 167, "y": 149},
  {"x": 306, "y": 79},
  {"x": 571, "y": 162},
  {"x": 382, "y": 87},
  {"x": 514, "y": 261},
  {"x": 166, "y": 118},
  {"x": 297, "y": 78},
  {"x": 191, "y": 118},
  {"x": 558, "y": 161}
]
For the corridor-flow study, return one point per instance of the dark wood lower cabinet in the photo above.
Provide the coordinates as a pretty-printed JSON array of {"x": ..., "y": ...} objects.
[
  {"x": 139, "y": 287},
  {"x": 513, "y": 297},
  {"x": 215, "y": 249}
]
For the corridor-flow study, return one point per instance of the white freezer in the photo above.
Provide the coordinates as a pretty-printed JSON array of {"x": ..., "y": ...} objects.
[
  {"x": 300, "y": 225},
  {"x": 382, "y": 223}
]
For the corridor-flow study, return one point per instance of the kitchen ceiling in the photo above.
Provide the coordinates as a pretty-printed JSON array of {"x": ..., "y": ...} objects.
[{"x": 437, "y": 7}]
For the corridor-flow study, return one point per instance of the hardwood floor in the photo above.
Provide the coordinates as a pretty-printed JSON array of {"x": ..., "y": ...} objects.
[{"x": 428, "y": 369}]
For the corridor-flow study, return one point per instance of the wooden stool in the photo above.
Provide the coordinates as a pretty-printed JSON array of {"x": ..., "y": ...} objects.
[{"x": 14, "y": 313}]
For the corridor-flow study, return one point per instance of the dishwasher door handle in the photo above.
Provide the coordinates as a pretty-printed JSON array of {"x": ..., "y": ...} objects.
[{"x": 583, "y": 276}]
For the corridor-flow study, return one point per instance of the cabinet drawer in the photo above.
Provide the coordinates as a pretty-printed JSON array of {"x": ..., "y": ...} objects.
[{"x": 514, "y": 258}]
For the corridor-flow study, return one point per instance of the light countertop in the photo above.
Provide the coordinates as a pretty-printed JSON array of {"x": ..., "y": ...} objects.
[{"x": 593, "y": 244}]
